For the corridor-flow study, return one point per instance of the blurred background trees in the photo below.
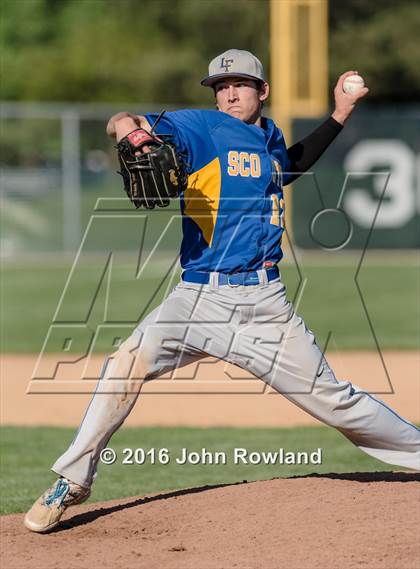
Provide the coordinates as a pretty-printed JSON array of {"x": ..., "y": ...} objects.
[{"x": 154, "y": 51}]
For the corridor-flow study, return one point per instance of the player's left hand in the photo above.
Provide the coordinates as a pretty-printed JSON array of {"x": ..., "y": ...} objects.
[
  {"x": 344, "y": 102},
  {"x": 152, "y": 170}
]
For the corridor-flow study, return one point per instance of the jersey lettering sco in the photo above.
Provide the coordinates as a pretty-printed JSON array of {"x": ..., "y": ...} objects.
[{"x": 233, "y": 206}]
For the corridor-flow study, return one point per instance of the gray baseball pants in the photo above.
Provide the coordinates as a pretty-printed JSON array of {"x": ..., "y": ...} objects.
[{"x": 256, "y": 328}]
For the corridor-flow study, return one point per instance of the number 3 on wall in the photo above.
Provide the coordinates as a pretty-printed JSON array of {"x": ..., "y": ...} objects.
[{"x": 277, "y": 217}]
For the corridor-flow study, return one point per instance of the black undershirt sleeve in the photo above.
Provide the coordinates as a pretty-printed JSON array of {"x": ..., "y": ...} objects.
[{"x": 305, "y": 153}]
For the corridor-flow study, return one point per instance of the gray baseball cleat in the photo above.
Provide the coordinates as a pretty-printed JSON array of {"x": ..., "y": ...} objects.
[{"x": 46, "y": 513}]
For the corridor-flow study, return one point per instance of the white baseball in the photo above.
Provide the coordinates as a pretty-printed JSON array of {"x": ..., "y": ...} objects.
[{"x": 352, "y": 84}]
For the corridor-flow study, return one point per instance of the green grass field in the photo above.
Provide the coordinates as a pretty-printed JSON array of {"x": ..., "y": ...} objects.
[
  {"x": 28, "y": 453},
  {"x": 330, "y": 300}
]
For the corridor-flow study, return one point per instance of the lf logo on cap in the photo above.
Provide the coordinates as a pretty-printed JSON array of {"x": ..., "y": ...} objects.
[{"x": 226, "y": 63}]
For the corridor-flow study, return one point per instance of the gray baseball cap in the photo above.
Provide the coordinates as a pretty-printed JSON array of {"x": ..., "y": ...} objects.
[{"x": 234, "y": 63}]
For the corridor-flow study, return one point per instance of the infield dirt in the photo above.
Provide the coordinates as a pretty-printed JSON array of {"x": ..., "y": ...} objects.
[
  {"x": 362, "y": 520},
  {"x": 213, "y": 398}
]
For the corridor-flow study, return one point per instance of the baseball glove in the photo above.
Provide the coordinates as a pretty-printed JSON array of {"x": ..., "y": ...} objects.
[{"x": 152, "y": 170}]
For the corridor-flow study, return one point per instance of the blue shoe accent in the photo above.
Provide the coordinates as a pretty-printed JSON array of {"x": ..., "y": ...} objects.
[{"x": 60, "y": 491}]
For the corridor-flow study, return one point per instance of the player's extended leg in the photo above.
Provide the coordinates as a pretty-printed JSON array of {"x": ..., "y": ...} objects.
[
  {"x": 286, "y": 357},
  {"x": 121, "y": 380},
  {"x": 172, "y": 336}
]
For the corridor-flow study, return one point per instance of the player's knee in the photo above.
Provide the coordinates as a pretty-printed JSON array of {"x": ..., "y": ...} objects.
[{"x": 131, "y": 360}]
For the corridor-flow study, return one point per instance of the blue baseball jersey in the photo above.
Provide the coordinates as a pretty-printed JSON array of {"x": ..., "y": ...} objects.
[{"x": 233, "y": 206}]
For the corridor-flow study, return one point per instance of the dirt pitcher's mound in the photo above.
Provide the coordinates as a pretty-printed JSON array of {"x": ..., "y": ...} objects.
[{"x": 368, "y": 520}]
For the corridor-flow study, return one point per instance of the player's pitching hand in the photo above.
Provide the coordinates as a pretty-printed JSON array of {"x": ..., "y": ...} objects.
[{"x": 345, "y": 102}]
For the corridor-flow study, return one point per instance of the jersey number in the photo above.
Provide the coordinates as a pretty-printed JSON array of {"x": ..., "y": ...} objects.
[
  {"x": 244, "y": 164},
  {"x": 277, "y": 218}
]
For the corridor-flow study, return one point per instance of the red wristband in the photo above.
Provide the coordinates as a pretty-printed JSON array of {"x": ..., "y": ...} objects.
[{"x": 139, "y": 137}]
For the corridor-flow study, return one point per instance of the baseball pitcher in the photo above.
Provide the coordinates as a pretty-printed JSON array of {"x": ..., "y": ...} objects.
[{"x": 227, "y": 167}]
